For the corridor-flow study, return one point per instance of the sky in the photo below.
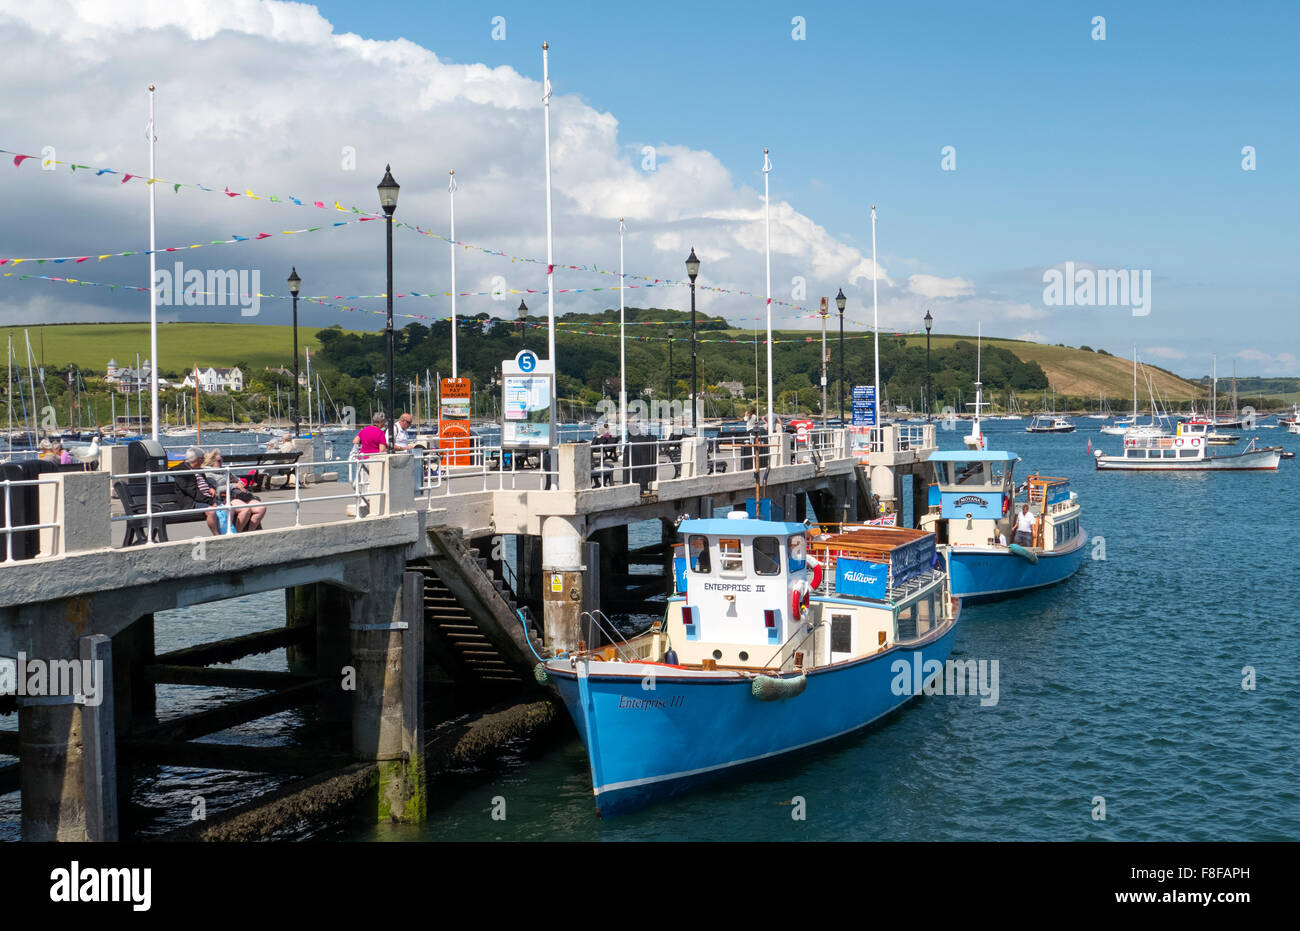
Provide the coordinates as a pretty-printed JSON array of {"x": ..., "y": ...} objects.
[{"x": 1000, "y": 143}]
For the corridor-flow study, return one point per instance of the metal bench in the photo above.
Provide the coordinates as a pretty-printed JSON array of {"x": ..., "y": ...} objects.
[
  {"x": 136, "y": 498},
  {"x": 271, "y": 463}
]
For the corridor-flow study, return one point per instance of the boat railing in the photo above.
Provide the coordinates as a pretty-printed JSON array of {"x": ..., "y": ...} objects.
[
  {"x": 805, "y": 630},
  {"x": 600, "y": 622}
]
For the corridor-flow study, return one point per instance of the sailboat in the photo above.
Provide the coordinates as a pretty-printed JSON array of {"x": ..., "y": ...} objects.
[
  {"x": 1122, "y": 425},
  {"x": 1013, "y": 408}
]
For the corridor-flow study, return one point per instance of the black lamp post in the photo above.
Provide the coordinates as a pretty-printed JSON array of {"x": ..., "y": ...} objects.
[
  {"x": 294, "y": 284},
  {"x": 388, "y": 189},
  {"x": 692, "y": 269},
  {"x": 840, "y": 301},
  {"x": 929, "y": 401},
  {"x": 523, "y": 315},
  {"x": 671, "y": 388}
]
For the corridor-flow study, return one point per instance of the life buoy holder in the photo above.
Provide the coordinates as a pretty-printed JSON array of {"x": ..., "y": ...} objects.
[
  {"x": 799, "y": 597},
  {"x": 1178, "y": 441},
  {"x": 1006, "y": 503},
  {"x": 816, "y": 566}
]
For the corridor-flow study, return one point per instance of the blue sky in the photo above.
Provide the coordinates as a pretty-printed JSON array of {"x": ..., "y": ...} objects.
[{"x": 1124, "y": 153}]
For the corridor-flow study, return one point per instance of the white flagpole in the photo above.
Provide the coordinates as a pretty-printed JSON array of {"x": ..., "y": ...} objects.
[
  {"x": 767, "y": 235},
  {"x": 451, "y": 193},
  {"x": 153, "y": 290},
  {"x": 550, "y": 258},
  {"x": 875, "y": 311},
  {"x": 622, "y": 346}
]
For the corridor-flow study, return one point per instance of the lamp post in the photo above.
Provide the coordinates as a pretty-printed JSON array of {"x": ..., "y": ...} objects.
[
  {"x": 840, "y": 301},
  {"x": 523, "y": 315},
  {"x": 671, "y": 389},
  {"x": 388, "y": 189},
  {"x": 693, "y": 269},
  {"x": 825, "y": 312},
  {"x": 294, "y": 284},
  {"x": 929, "y": 401}
]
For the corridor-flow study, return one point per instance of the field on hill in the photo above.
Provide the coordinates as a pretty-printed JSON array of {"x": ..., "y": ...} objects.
[
  {"x": 180, "y": 345},
  {"x": 1087, "y": 374}
]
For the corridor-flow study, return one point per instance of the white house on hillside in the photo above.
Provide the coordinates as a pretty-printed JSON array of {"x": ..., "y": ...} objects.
[{"x": 214, "y": 380}]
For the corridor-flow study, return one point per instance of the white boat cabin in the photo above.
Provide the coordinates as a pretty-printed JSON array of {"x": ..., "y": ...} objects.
[
  {"x": 973, "y": 502},
  {"x": 750, "y": 596}
]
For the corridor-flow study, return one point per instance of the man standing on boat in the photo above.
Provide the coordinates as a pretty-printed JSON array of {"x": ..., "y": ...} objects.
[{"x": 1024, "y": 527}]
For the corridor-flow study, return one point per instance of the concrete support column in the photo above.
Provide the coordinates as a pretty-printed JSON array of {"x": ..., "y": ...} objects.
[
  {"x": 562, "y": 570},
  {"x": 887, "y": 487},
  {"x": 77, "y": 503},
  {"x": 387, "y": 705},
  {"x": 575, "y": 466},
  {"x": 50, "y": 731}
]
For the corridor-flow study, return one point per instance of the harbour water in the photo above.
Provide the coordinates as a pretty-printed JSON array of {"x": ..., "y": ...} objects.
[{"x": 1124, "y": 684}]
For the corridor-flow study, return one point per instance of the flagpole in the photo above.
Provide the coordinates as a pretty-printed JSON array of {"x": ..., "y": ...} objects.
[
  {"x": 451, "y": 194},
  {"x": 550, "y": 257},
  {"x": 875, "y": 312},
  {"x": 622, "y": 345},
  {"x": 153, "y": 290},
  {"x": 767, "y": 237}
]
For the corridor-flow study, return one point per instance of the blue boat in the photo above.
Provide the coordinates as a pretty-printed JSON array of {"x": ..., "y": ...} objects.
[
  {"x": 752, "y": 663},
  {"x": 973, "y": 514}
]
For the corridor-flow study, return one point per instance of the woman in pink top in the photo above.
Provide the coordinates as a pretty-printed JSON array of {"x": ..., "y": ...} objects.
[{"x": 372, "y": 439}]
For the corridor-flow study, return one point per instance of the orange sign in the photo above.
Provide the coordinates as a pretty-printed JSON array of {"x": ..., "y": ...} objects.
[{"x": 453, "y": 422}]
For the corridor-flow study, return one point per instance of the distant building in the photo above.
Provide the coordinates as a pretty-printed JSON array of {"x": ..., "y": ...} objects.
[
  {"x": 302, "y": 376},
  {"x": 734, "y": 388},
  {"x": 214, "y": 380}
]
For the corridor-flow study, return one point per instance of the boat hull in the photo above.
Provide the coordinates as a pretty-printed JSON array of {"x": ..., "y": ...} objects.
[
  {"x": 647, "y": 744},
  {"x": 988, "y": 572},
  {"x": 1257, "y": 460}
]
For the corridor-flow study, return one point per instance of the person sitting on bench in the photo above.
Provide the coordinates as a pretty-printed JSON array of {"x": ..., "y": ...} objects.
[
  {"x": 193, "y": 489},
  {"x": 245, "y": 517}
]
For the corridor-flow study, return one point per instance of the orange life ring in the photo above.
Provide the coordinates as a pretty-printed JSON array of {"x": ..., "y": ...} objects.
[
  {"x": 816, "y": 572},
  {"x": 798, "y": 603}
]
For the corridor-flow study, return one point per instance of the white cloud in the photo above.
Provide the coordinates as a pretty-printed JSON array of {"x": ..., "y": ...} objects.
[
  {"x": 266, "y": 95},
  {"x": 936, "y": 287},
  {"x": 1164, "y": 352},
  {"x": 1033, "y": 336}
]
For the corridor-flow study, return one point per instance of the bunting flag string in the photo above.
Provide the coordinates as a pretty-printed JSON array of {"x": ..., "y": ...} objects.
[
  {"x": 176, "y": 186},
  {"x": 801, "y": 311},
  {"x": 235, "y": 238}
]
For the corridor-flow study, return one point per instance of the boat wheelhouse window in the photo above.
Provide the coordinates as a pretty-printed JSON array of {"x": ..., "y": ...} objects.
[
  {"x": 699, "y": 554},
  {"x": 729, "y": 551},
  {"x": 926, "y": 616},
  {"x": 969, "y": 473},
  {"x": 767, "y": 556},
  {"x": 796, "y": 548}
]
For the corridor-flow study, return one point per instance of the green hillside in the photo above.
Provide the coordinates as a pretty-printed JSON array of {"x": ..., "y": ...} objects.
[{"x": 89, "y": 346}]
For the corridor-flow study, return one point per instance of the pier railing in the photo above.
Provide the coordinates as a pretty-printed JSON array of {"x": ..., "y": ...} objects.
[
  {"x": 367, "y": 495},
  {"x": 894, "y": 438},
  {"x": 12, "y": 491}
]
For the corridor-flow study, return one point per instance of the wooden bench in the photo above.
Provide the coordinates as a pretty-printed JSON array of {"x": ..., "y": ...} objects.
[
  {"x": 267, "y": 462},
  {"x": 165, "y": 498}
]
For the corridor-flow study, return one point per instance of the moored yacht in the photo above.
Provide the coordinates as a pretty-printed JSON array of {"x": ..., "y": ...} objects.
[{"x": 1187, "y": 450}]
